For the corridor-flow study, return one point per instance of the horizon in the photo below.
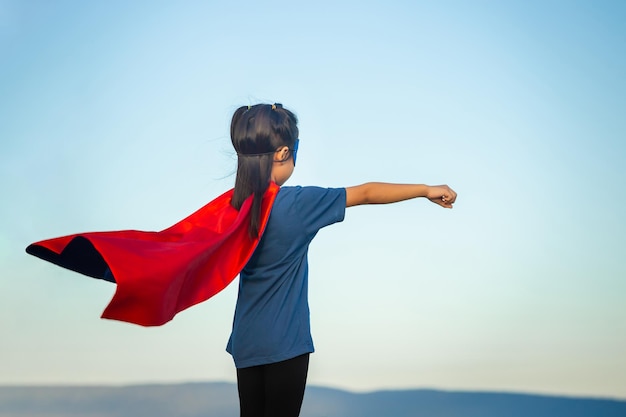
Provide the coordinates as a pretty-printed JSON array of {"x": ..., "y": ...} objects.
[
  {"x": 318, "y": 386},
  {"x": 220, "y": 399}
]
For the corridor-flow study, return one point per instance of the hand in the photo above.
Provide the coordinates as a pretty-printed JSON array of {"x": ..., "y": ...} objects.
[{"x": 442, "y": 195}]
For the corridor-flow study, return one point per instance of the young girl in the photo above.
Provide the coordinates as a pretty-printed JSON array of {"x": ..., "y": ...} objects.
[
  {"x": 271, "y": 339},
  {"x": 258, "y": 230}
]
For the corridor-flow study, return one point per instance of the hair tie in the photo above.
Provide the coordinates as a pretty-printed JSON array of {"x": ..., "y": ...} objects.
[
  {"x": 249, "y": 107},
  {"x": 274, "y": 106}
]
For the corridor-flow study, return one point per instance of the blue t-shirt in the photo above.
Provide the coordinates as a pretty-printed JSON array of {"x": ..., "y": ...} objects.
[{"x": 271, "y": 321}]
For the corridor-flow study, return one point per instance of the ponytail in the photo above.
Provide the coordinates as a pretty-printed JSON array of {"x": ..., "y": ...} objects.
[{"x": 256, "y": 133}]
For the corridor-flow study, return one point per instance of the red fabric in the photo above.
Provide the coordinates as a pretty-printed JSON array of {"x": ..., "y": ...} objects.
[{"x": 159, "y": 274}]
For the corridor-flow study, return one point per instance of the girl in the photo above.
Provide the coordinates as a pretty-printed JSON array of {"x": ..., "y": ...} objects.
[{"x": 271, "y": 340}]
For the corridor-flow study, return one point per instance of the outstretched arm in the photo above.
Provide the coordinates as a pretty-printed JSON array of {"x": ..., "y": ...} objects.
[{"x": 384, "y": 193}]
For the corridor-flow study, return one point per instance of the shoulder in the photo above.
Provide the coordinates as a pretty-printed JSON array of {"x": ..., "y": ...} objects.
[{"x": 311, "y": 207}]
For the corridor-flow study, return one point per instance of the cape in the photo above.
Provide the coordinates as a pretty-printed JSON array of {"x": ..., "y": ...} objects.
[{"x": 159, "y": 274}]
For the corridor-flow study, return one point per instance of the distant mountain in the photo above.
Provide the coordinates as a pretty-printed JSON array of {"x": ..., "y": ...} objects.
[{"x": 220, "y": 400}]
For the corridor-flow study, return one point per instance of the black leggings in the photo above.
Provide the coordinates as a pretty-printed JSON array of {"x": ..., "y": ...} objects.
[{"x": 274, "y": 390}]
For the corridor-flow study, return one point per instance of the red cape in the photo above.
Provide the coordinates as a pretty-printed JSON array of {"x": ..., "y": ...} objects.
[{"x": 159, "y": 274}]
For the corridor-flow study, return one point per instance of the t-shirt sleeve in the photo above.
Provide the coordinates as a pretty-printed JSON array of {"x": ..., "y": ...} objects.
[{"x": 319, "y": 207}]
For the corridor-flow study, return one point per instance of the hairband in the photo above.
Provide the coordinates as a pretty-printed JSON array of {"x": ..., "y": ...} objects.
[{"x": 274, "y": 106}]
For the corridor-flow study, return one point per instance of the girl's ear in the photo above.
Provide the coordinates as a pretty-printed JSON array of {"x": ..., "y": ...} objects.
[{"x": 281, "y": 154}]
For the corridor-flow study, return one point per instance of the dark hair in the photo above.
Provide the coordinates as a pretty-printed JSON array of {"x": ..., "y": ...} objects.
[{"x": 256, "y": 133}]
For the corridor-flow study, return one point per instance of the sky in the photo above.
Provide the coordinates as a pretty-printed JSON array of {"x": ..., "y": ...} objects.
[{"x": 115, "y": 115}]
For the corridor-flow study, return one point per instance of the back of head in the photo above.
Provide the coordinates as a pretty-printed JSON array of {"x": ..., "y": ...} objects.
[{"x": 256, "y": 133}]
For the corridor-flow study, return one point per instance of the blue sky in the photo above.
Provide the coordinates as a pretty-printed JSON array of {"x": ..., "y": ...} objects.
[{"x": 114, "y": 115}]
